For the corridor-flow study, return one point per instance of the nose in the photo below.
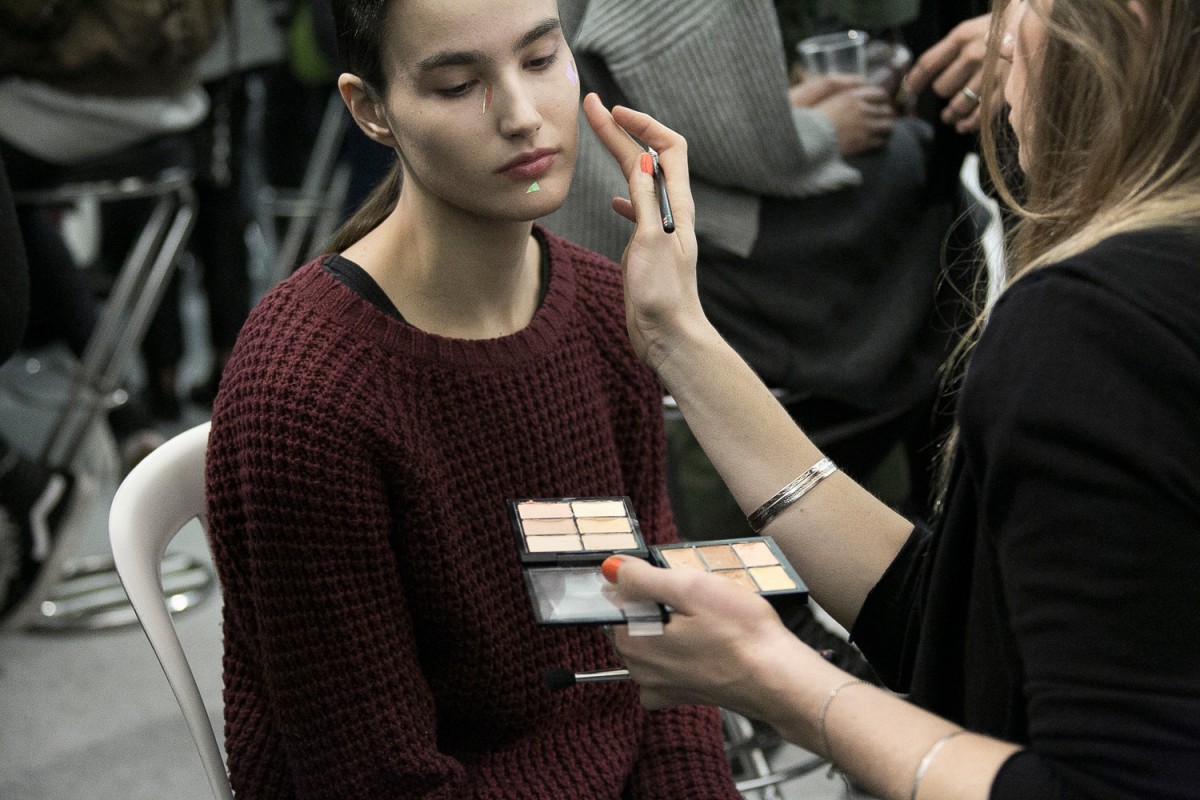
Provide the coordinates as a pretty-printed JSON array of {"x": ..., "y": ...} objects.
[
  {"x": 1008, "y": 38},
  {"x": 516, "y": 105},
  {"x": 1005, "y": 50}
]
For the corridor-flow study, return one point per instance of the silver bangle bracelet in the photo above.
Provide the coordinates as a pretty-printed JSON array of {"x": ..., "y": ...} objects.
[
  {"x": 822, "y": 732},
  {"x": 934, "y": 749},
  {"x": 789, "y": 494}
]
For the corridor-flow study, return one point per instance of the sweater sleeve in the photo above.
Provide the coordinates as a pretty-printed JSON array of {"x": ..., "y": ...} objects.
[
  {"x": 302, "y": 529},
  {"x": 716, "y": 75},
  {"x": 1086, "y": 418},
  {"x": 683, "y": 755}
]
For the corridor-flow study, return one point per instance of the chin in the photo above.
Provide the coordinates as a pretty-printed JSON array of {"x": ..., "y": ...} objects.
[{"x": 535, "y": 205}]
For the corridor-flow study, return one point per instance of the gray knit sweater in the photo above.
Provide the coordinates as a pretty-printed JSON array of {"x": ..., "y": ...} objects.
[{"x": 713, "y": 70}]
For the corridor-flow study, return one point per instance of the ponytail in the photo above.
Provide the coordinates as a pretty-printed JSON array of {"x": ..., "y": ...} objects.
[{"x": 374, "y": 210}]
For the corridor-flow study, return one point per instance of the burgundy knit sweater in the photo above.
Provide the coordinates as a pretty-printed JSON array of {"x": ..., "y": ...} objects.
[{"x": 379, "y": 641}]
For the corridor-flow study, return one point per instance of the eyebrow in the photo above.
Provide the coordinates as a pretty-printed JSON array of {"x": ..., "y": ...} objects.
[{"x": 458, "y": 58}]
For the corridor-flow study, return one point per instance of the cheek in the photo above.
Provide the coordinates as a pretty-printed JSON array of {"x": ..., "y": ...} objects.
[
  {"x": 563, "y": 107},
  {"x": 440, "y": 143}
]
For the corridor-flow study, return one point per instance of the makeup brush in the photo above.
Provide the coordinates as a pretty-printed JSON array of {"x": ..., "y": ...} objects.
[
  {"x": 664, "y": 202},
  {"x": 562, "y": 678}
]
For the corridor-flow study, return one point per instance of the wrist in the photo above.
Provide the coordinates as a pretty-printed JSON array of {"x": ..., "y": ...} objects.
[
  {"x": 796, "y": 682},
  {"x": 682, "y": 352}
]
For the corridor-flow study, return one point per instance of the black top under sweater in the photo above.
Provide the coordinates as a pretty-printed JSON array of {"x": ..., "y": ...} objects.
[{"x": 1058, "y": 602}]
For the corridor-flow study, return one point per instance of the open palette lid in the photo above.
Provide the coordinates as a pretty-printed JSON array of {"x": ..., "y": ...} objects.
[
  {"x": 568, "y": 530},
  {"x": 579, "y": 595}
]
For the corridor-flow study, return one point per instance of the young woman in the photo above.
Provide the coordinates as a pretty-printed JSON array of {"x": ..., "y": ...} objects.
[
  {"x": 1046, "y": 630},
  {"x": 381, "y": 406}
]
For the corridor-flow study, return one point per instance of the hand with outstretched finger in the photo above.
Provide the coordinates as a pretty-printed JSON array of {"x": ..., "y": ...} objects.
[{"x": 660, "y": 268}]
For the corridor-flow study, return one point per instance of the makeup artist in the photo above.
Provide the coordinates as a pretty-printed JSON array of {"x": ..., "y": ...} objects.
[
  {"x": 1046, "y": 627},
  {"x": 379, "y": 409}
]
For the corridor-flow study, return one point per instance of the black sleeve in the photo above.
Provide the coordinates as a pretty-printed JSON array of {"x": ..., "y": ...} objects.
[
  {"x": 888, "y": 626},
  {"x": 1090, "y": 430}
]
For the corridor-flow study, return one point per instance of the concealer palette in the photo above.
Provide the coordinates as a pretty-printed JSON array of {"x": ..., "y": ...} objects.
[
  {"x": 562, "y": 541},
  {"x": 754, "y": 563}
]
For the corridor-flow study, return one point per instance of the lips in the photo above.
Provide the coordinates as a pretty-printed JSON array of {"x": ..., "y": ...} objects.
[{"x": 529, "y": 166}]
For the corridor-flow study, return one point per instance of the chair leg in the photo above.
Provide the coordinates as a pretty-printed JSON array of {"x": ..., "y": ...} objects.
[
  {"x": 89, "y": 595},
  {"x": 86, "y": 593},
  {"x": 763, "y": 780},
  {"x": 135, "y": 298}
]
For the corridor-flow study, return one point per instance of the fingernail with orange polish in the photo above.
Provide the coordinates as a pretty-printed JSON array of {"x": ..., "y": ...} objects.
[
  {"x": 609, "y": 568},
  {"x": 647, "y": 163}
]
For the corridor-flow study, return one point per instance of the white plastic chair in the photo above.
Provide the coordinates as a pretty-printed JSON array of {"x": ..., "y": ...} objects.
[{"x": 164, "y": 492}]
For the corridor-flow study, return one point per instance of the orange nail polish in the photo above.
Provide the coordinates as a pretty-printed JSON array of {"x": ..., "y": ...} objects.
[
  {"x": 647, "y": 163},
  {"x": 609, "y": 568}
]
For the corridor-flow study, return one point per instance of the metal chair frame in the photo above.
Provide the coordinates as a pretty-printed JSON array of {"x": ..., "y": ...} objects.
[{"x": 86, "y": 595}]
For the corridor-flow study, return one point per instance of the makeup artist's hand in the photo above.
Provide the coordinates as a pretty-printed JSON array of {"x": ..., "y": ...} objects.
[
  {"x": 661, "y": 299},
  {"x": 954, "y": 69},
  {"x": 724, "y": 645}
]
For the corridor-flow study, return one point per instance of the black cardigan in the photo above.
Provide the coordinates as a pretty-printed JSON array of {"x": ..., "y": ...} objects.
[{"x": 1058, "y": 603}]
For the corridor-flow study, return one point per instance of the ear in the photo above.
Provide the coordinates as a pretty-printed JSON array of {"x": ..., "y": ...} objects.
[{"x": 367, "y": 111}]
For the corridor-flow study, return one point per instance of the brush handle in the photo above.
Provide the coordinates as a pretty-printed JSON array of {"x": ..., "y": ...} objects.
[{"x": 602, "y": 676}]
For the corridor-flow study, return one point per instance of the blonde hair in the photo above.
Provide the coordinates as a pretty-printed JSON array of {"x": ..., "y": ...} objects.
[{"x": 1112, "y": 142}]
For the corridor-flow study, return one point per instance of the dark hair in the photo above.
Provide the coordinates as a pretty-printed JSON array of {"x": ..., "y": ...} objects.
[{"x": 361, "y": 27}]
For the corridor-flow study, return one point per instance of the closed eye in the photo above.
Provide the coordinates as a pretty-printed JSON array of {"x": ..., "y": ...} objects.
[
  {"x": 543, "y": 63},
  {"x": 457, "y": 91}
]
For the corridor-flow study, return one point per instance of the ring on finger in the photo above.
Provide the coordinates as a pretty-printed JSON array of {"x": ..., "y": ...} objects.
[{"x": 971, "y": 95}]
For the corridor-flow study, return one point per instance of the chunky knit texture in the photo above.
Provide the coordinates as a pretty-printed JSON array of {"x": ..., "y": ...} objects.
[{"x": 379, "y": 641}]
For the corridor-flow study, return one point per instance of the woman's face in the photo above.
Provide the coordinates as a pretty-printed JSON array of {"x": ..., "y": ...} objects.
[
  {"x": 1022, "y": 45},
  {"x": 482, "y": 102}
]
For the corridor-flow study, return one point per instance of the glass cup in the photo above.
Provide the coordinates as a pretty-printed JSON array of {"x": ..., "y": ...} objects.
[{"x": 844, "y": 52}]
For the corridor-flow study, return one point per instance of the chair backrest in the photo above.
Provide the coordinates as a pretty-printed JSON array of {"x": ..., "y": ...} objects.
[{"x": 160, "y": 495}]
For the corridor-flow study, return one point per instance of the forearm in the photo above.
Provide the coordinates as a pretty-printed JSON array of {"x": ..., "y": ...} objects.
[
  {"x": 881, "y": 740},
  {"x": 839, "y": 537},
  {"x": 845, "y": 538}
]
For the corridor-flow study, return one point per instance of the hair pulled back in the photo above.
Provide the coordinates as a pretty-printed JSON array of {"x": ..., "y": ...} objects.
[{"x": 361, "y": 27}]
